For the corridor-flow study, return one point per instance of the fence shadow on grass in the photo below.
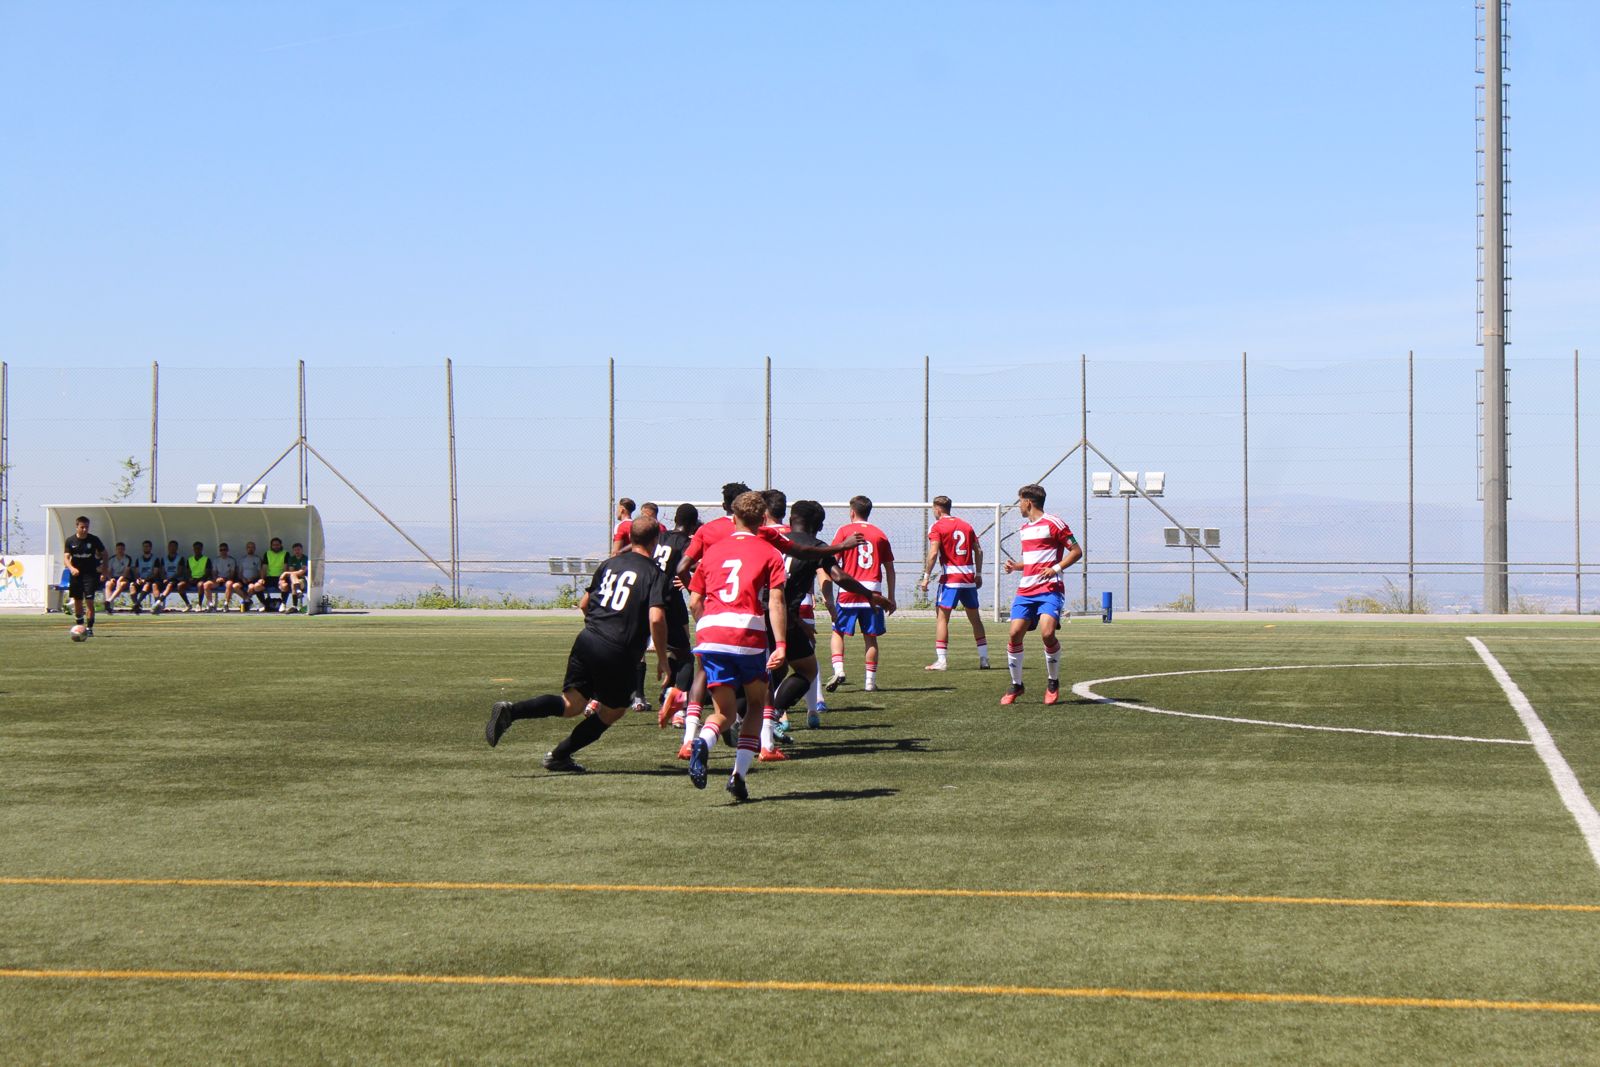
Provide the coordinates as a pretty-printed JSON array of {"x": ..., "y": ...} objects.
[{"x": 866, "y": 746}]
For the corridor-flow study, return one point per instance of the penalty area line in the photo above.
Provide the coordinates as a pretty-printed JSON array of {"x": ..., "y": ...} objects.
[
  {"x": 1103, "y": 896},
  {"x": 775, "y": 986},
  {"x": 1566, "y": 782}
]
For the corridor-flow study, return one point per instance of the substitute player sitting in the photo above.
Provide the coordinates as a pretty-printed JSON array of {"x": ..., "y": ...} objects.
[
  {"x": 871, "y": 564},
  {"x": 953, "y": 545},
  {"x": 1048, "y": 548},
  {"x": 146, "y": 575},
  {"x": 622, "y": 607},
  {"x": 738, "y": 578},
  {"x": 224, "y": 579},
  {"x": 119, "y": 575}
]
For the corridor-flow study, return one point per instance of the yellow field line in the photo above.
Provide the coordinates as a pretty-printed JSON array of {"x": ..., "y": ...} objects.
[
  {"x": 716, "y": 984},
  {"x": 803, "y": 891}
]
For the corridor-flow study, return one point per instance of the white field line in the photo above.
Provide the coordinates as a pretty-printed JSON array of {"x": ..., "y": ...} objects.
[
  {"x": 1086, "y": 691},
  {"x": 1572, "y": 794}
]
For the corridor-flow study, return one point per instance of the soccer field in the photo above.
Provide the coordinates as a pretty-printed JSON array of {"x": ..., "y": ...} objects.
[{"x": 255, "y": 839}]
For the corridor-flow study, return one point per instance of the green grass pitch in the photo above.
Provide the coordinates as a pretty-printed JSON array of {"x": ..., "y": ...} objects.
[{"x": 351, "y": 748}]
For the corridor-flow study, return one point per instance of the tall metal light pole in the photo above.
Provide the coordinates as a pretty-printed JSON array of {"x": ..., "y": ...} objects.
[{"x": 1493, "y": 286}]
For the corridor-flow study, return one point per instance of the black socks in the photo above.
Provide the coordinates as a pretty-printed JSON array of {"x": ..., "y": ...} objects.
[
  {"x": 792, "y": 689},
  {"x": 586, "y": 733},
  {"x": 547, "y": 706}
]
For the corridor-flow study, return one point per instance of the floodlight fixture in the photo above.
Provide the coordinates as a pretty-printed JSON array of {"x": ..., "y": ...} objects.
[
  {"x": 1213, "y": 537},
  {"x": 1128, "y": 484},
  {"x": 1100, "y": 484},
  {"x": 230, "y": 493},
  {"x": 1155, "y": 483},
  {"x": 205, "y": 493},
  {"x": 257, "y": 494}
]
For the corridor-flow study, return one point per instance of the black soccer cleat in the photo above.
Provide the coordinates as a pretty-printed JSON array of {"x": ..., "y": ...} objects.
[
  {"x": 499, "y": 722},
  {"x": 1052, "y": 691},
  {"x": 553, "y": 762},
  {"x": 737, "y": 789},
  {"x": 699, "y": 752},
  {"x": 833, "y": 683}
]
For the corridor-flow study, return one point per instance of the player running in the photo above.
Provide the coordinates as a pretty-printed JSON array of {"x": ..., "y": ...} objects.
[
  {"x": 712, "y": 533},
  {"x": 84, "y": 552},
  {"x": 668, "y": 551},
  {"x": 871, "y": 564},
  {"x": 737, "y": 588},
  {"x": 807, "y": 517},
  {"x": 623, "y": 606},
  {"x": 1048, "y": 548},
  {"x": 953, "y": 544}
]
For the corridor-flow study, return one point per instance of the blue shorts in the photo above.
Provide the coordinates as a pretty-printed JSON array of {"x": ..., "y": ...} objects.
[
  {"x": 1031, "y": 607},
  {"x": 870, "y": 619},
  {"x": 731, "y": 668},
  {"x": 964, "y": 596}
]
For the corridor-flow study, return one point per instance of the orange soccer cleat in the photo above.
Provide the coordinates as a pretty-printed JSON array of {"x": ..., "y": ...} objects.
[
  {"x": 1011, "y": 695},
  {"x": 1052, "y": 691},
  {"x": 771, "y": 755},
  {"x": 687, "y": 750}
]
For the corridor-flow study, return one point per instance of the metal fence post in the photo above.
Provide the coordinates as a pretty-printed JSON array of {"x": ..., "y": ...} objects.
[
  {"x": 455, "y": 513},
  {"x": 926, "y": 487},
  {"x": 611, "y": 461},
  {"x": 1577, "y": 496},
  {"x": 998, "y": 614},
  {"x": 1083, "y": 390},
  {"x": 155, "y": 424},
  {"x": 304, "y": 487},
  {"x": 768, "y": 482},
  {"x": 1411, "y": 482},
  {"x": 5, "y": 458},
  {"x": 1244, "y": 378}
]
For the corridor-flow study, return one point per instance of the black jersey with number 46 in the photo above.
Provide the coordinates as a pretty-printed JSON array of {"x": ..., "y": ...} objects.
[{"x": 621, "y": 594}]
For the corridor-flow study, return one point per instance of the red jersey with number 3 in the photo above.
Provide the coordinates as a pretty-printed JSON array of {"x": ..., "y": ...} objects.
[
  {"x": 734, "y": 577},
  {"x": 957, "y": 544},
  {"x": 865, "y": 562}
]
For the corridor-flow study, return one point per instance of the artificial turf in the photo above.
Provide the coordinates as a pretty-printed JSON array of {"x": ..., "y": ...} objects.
[{"x": 350, "y": 748}]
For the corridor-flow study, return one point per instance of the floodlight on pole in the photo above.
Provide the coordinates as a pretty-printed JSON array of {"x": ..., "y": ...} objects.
[
  {"x": 1192, "y": 537},
  {"x": 1127, "y": 489}
]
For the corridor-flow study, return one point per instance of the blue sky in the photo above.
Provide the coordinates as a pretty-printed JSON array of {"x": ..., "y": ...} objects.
[{"x": 826, "y": 183}]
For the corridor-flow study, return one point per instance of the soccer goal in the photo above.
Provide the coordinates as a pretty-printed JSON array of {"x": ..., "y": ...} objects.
[{"x": 906, "y": 525}]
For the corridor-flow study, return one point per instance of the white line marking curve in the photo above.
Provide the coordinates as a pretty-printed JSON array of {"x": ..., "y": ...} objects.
[
  {"x": 1566, "y": 782},
  {"x": 1085, "y": 690}
]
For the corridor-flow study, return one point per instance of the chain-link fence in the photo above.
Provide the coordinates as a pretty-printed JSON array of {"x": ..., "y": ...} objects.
[{"x": 1341, "y": 485}]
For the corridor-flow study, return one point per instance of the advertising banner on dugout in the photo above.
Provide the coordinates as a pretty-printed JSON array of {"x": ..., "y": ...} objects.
[{"x": 23, "y": 580}]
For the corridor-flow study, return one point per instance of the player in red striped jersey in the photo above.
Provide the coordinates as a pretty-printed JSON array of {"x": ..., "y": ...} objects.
[
  {"x": 1048, "y": 548},
  {"x": 737, "y": 588},
  {"x": 712, "y": 533},
  {"x": 954, "y": 545},
  {"x": 619, "y": 534},
  {"x": 871, "y": 564}
]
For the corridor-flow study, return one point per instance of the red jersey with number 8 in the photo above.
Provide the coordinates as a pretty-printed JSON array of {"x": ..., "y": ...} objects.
[
  {"x": 865, "y": 562},
  {"x": 734, "y": 577}
]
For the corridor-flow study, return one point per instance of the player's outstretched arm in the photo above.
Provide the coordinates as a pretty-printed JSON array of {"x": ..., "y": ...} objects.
[
  {"x": 778, "y": 612},
  {"x": 840, "y": 580},
  {"x": 658, "y": 637},
  {"x": 927, "y": 566}
]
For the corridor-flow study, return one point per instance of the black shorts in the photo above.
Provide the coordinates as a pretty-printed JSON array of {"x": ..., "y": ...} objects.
[
  {"x": 83, "y": 584},
  {"x": 601, "y": 671},
  {"x": 801, "y": 641}
]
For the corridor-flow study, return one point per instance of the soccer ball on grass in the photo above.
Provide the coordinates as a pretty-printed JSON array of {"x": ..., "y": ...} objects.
[{"x": 79, "y": 633}]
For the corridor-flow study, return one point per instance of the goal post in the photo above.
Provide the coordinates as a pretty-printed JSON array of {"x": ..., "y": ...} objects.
[{"x": 906, "y": 524}]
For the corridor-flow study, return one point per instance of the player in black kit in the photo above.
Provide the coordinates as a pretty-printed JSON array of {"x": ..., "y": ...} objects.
[
  {"x": 624, "y": 605},
  {"x": 669, "y": 551},
  {"x": 84, "y": 552},
  {"x": 806, "y": 518}
]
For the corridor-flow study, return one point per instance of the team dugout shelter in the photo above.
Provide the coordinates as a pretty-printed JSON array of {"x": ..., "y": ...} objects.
[{"x": 211, "y": 524}]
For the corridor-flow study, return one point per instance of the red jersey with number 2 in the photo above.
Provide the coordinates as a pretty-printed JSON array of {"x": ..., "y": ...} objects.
[
  {"x": 734, "y": 577},
  {"x": 955, "y": 540},
  {"x": 865, "y": 562}
]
